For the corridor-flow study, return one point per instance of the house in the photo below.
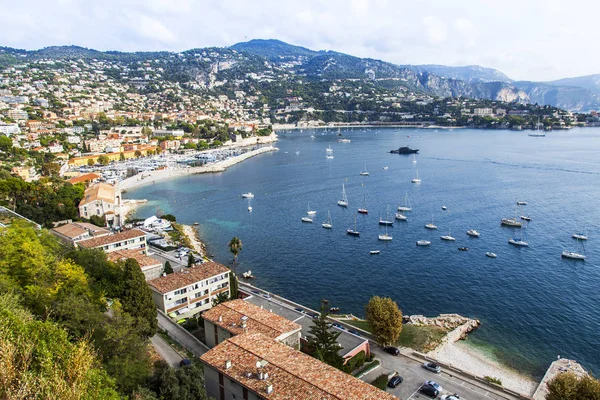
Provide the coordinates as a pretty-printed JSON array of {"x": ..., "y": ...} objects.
[
  {"x": 253, "y": 366},
  {"x": 238, "y": 316},
  {"x": 85, "y": 178},
  {"x": 28, "y": 174},
  {"x": 187, "y": 293},
  {"x": 132, "y": 239},
  {"x": 74, "y": 232},
  {"x": 151, "y": 267},
  {"x": 103, "y": 200}
]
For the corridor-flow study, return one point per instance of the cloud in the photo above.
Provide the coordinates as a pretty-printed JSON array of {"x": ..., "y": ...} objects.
[{"x": 435, "y": 30}]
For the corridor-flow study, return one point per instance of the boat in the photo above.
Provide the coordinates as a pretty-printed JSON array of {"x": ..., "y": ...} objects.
[
  {"x": 444, "y": 208},
  {"x": 312, "y": 136},
  {"x": 344, "y": 201},
  {"x": 327, "y": 224},
  {"x": 490, "y": 254},
  {"x": 416, "y": 179},
  {"x": 521, "y": 203},
  {"x": 539, "y": 131},
  {"x": 579, "y": 236},
  {"x": 400, "y": 216},
  {"x": 344, "y": 140},
  {"x": 573, "y": 255},
  {"x": 363, "y": 209},
  {"x": 249, "y": 209},
  {"x": 473, "y": 233},
  {"x": 518, "y": 242},
  {"x": 329, "y": 150},
  {"x": 431, "y": 225},
  {"x": 385, "y": 237},
  {"x": 311, "y": 212},
  {"x": 385, "y": 168},
  {"x": 406, "y": 206},
  {"x": 196, "y": 223},
  {"x": 414, "y": 160},
  {"x": 448, "y": 237},
  {"x": 353, "y": 232},
  {"x": 307, "y": 219},
  {"x": 525, "y": 218},
  {"x": 297, "y": 152},
  {"x": 423, "y": 242},
  {"x": 329, "y": 156},
  {"x": 248, "y": 195},
  {"x": 404, "y": 150},
  {"x": 247, "y": 275},
  {"x": 512, "y": 222},
  {"x": 364, "y": 172},
  {"x": 334, "y": 309},
  {"x": 372, "y": 252},
  {"x": 387, "y": 221},
  {"x": 463, "y": 248}
]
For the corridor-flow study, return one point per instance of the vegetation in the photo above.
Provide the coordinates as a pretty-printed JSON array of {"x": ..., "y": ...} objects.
[
  {"x": 186, "y": 383},
  {"x": 367, "y": 368},
  {"x": 220, "y": 298},
  {"x": 495, "y": 381},
  {"x": 322, "y": 340},
  {"x": 380, "y": 382},
  {"x": 385, "y": 319},
  {"x": 137, "y": 299},
  {"x": 235, "y": 247},
  {"x": 168, "y": 269},
  {"x": 568, "y": 386},
  {"x": 421, "y": 338}
]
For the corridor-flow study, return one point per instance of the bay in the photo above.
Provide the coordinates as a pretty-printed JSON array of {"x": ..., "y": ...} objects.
[{"x": 533, "y": 305}]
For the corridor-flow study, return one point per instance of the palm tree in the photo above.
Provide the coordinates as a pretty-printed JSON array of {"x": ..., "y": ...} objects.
[{"x": 235, "y": 247}]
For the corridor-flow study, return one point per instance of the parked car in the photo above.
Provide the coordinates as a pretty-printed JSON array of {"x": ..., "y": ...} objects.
[
  {"x": 434, "y": 384},
  {"x": 395, "y": 381},
  {"x": 433, "y": 367},
  {"x": 339, "y": 326},
  {"x": 429, "y": 391},
  {"x": 185, "y": 362},
  {"x": 391, "y": 350},
  {"x": 354, "y": 332},
  {"x": 299, "y": 309},
  {"x": 450, "y": 397}
]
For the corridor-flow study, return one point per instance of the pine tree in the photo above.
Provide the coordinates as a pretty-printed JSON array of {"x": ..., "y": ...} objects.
[
  {"x": 136, "y": 299},
  {"x": 168, "y": 269},
  {"x": 322, "y": 340},
  {"x": 191, "y": 260}
]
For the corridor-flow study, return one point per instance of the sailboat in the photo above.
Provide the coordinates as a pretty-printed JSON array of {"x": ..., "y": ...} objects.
[
  {"x": 414, "y": 160},
  {"x": 516, "y": 241},
  {"x": 406, "y": 206},
  {"x": 353, "y": 232},
  {"x": 385, "y": 236},
  {"x": 307, "y": 219},
  {"x": 416, "y": 179},
  {"x": 311, "y": 212},
  {"x": 538, "y": 132},
  {"x": 327, "y": 224},
  {"x": 387, "y": 221},
  {"x": 574, "y": 255},
  {"x": 513, "y": 222},
  {"x": 363, "y": 209},
  {"x": 400, "y": 216},
  {"x": 580, "y": 235},
  {"x": 329, "y": 149},
  {"x": 344, "y": 201},
  {"x": 364, "y": 172},
  {"x": 448, "y": 237},
  {"x": 431, "y": 225},
  {"x": 329, "y": 152}
]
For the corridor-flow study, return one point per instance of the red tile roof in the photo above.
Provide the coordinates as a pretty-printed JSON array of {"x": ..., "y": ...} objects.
[
  {"x": 292, "y": 374},
  {"x": 136, "y": 254},
  {"x": 84, "y": 178},
  {"x": 109, "y": 239},
  {"x": 187, "y": 276}
]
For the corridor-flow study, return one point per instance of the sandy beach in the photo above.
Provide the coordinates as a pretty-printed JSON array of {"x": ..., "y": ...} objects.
[{"x": 462, "y": 356}]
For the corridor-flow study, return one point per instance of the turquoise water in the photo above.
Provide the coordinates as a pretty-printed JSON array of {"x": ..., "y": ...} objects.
[{"x": 533, "y": 305}]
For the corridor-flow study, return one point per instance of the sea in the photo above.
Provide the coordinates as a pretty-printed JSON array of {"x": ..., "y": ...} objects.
[{"x": 533, "y": 304}]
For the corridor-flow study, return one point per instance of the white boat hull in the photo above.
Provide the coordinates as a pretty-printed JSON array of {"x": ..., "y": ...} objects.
[
  {"x": 490, "y": 255},
  {"x": 327, "y": 226},
  {"x": 306, "y": 219},
  {"x": 579, "y": 237},
  {"x": 423, "y": 242},
  {"x": 401, "y": 217},
  {"x": 416, "y": 181},
  {"x": 572, "y": 255},
  {"x": 401, "y": 208},
  {"x": 430, "y": 226},
  {"x": 448, "y": 238},
  {"x": 518, "y": 243},
  {"x": 385, "y": 237},
  {"x": 342, "y": 203}
]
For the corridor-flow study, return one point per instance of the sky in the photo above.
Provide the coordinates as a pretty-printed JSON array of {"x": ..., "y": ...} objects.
[{"x": 526, "y": 39}]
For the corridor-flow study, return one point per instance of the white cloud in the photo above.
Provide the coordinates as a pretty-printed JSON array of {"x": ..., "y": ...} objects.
[{"x": 435, "y": 30}]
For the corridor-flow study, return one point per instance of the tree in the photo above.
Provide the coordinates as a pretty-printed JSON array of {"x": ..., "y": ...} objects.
[
  {"x": 568, "y": 386},
  {"x": 137, "y": 299},
  {"x": 5, "y": 143},
  {"x": 322, "y": 340},
  {"x": 103, "y": 160},
  {"x": 168, "y": 269},
  {"x": 191, "y": 260},
  {"x": 137, "y": 154},
  {"x": 169, "y": 217},
  {"x": 91, "y": 162},
  {"x": 185, "y": 383},
  {"x": 385, "y": 319},
  {"x": 50, "y": 169},
  {"x": 97, "y": 220},
  {"x": 235, "y": 247},
  {"x": 121, "y": 156},
  {"x": 220, "y": 298},
  {"x": 233, "y": 285}
]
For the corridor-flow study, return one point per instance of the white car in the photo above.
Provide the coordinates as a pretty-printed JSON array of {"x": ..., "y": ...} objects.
[
  {"x": 450, "y": 397},
  {"x": 434, "y": 384}
]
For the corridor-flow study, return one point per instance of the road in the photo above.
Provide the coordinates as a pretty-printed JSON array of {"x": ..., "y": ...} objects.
[
  {"x": 166, "y": 351},
  {"x": 181, "y": 336}
]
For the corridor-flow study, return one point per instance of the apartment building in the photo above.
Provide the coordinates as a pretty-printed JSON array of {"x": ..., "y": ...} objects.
[
  {"x": 238, "y": 316},
  {"x": 132, "y": 239},
  {"x": 74, "y": 232},
  {"x": 253, "y": 366},
  {"x": 151, "y": 268},
  {"x": 187, "y": 293}
]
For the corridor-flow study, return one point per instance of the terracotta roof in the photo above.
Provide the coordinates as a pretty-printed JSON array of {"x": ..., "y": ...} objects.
[
  {"x": 293, "y": 374},
  {"x": 187, "y": 276},
  {"x": 257, "y": 319},
  {"x": 142, "y": 259},
  {"x": 70, "y": 230},
  {"x": 83, "y": 178},
  {"x": 99, "y": 191},
  {"x": 93, "y": 229},
  {"x": 117, "y": 237}
]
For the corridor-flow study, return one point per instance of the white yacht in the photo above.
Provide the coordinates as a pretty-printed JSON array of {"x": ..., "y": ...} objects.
[
  {"x": 364, "y": 172},
  {"x": 406, "y": 206},
  {"x": 511, "y": 222},
  {"x": 473, "y": 233},
  {"x": 249, "y": 208},
  {"x": 448, "y": 237},
  {"x": 400, "y": 216},
  {"x": 431, "y": 225},
  {"x": 385, "y": 168},
  {"x": 311, "y": 212},
  {"x": 416, "y": 179},
  {"x": 373, "y": 252},
  {"x": 248, "y": 195},
  {"x": 387, "y": 221},
  {"x": 518, "y": 242},
  {"x": 307, "y": 219},
  {"x": 327, "y": 224},
  {"x": 344, "y": 201},
  {"x": 573, "y": 255},
  {"x": 423, "y": 242},
  {"x": 490, "y": 254},
  {"x": 580, "y": 236}
]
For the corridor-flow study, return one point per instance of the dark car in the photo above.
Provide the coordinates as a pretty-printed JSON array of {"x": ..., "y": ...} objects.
[
  {"x": 391, "y": 350},
  {"x": 354, "y": 332},
  {"x": 339, "y": 326},
  {"x": 299, "y": 309},
  {"x": 430, "y": 391},
  {"x": 184, "y": 362},
  {"x": 395, "y": 381},
  {"x": 433, "y": 367}
]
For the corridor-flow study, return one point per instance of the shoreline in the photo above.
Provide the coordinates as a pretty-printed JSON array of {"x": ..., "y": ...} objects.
[{"x": 194, "y": 238}]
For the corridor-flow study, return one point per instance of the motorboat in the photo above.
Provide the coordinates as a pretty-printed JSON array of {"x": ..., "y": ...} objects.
[
  {"x": 448, "y": 238},
  {"x": 307, "y": 219},
  {"x": 518, "y": 242},
  {"x": 573, "y": 255},
  {"x": 579, "y": 236},
  {"x": 444, "y": 208},
  {"x": 473, "y": 233},
  {"x": 248, "y": 195},
  {"x": 249, "y": 208},
  {"x": 247, "y": 275},
  {"x": 373, "y": 252},
  {"x": 521, "y": 203},
  {"x": 385, "y": 168},
  {"x": 423, "y": 242},
  {"x": 490, "y": 254}
]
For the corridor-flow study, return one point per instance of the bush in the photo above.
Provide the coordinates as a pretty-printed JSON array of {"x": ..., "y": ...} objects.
[
  {"x": 380, "y": 382},
  {"x": 356, "y": 361},
  {"x": 493, "y": 380},
  {"x": 169, "y": 217}
]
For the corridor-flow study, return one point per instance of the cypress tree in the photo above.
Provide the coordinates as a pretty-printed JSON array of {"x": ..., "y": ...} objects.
[
  {"x": 168, "y": 269},
  {"x": 137, "y": 299}
]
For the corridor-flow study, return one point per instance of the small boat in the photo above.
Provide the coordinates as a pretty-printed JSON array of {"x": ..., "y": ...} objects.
[
  {"x": 373, "y": 252},
  {"x": 444, "y": 208},
  {"x": 297, "y": 152},
  {"x": 525, "y": 218},
  {"x": 353, "y": 232},
  {"x": 521, "y": 203},
  {"x": 196, "y": 223},
  {"x": 463, "y": 248},
  {"x": 385, "y": 168},
  {"x": 344, "y": 140},
  {"x": 414, "y": 160},
  {"x": 329, "y": 156},
  {"x": 490, "y": 254},
  {"x": 307, "y": 219},
  {"x": 423, "y": 242},
  {"x": 312, "y": 136},
  {"x": 431, "y": 225},
  {"x": 334, "y": 309},
  {"x": 248, "y": 195},
  {"x": 579, "y": 236},
  {"x": 518, "y": 242},
  {"x": 249, "y": 208},
  {"x": 573, "y": 255},
  {"x": 327, "y": 224},
  {"x": 416, "y": 179},
  {"x": 401, "y": 217},
  {"x": 329, "y": 150},
  {"x": 448, "y": 237},
  {"x": 406, "y": 206},
  {"x": 364, "y": 172},
  {"x": 473, "y": 233},
  {"x": 511, "y": 222},
  {"x": 311, "y": 212},
  {"x": 247, "y": 275},
  {"x": 344, "y": 201}
]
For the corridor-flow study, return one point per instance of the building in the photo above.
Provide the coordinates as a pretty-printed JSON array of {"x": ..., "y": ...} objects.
[
  {"x": 187, "y": 293},
  {"x": 74, "y": 232},
  {"x": 170, "y": 144},
  {"x": 84, "y": 178},
  {"x": 103, "y": 200},
  {"x": 17, "y": 114},
  {"x": 132, "y": 239},
  {"x": 9, "y": 129},
  {"x": 483, "y": 112},
  {"x": 253, "y": 366},
  {"x": 238, "y": 316},
  {"x": 151, "y": 268}
]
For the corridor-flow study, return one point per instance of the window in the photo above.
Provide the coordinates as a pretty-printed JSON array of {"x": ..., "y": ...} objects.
[{"x": 180, "y": 291}]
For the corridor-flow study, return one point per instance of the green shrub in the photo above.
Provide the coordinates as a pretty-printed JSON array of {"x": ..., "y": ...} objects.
[
  {"x": 380, "y": 382},
  {"x": 357, "y": 361},
  {"x": 493, "y": 380}
]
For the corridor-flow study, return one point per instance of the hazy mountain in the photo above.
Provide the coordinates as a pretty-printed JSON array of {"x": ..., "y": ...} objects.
[
  {"x": 589, "y": 82},
  {"x": 273, "y": 49},
  {"x": 469, "y": 73}
]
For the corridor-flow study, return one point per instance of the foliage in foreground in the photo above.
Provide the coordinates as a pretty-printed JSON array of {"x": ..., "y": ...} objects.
[
  {"x": 385, "y": 319},
  {"x": 568, "y": 386},
  {"x": 322, "y": 340}
]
